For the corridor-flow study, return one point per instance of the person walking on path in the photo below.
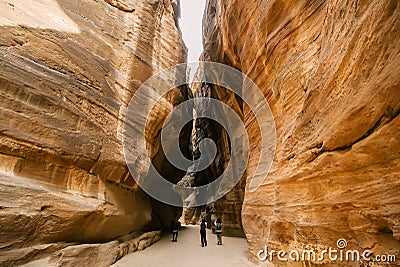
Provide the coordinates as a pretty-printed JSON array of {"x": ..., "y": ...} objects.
[
  {"x": 218, "y": 227},
  {"x": 174, "y": 230},
  {"x": 203, "y": 233}
]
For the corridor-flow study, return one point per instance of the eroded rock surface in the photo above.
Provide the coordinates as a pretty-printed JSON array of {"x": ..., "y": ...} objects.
[
  {"x": 70, "y": 254},
  {"x": 68, "y": 70},
  {"x": 330, "y": 72}
]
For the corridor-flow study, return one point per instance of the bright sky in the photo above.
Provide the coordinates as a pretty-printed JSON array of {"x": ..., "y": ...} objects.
[{"x": 190, "y": 24}]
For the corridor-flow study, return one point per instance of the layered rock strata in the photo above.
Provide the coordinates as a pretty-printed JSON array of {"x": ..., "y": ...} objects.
[
  {"x": 330, "y": 73},
  {"x": 68, "y": 70}
]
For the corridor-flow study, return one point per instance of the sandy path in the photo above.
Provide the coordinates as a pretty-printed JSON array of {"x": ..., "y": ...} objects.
[{"x": 188, "y": 252}]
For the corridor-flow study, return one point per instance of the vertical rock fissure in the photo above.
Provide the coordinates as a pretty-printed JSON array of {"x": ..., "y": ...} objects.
[{"x": 228, "y": 208}]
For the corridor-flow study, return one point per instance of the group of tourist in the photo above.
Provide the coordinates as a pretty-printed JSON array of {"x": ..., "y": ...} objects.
[{"x": 203, "y": 233}]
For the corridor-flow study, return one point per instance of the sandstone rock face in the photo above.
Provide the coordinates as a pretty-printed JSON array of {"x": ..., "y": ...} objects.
[
  {"x": 70, "y": 254},
  {"x": 102, "y": 254},
  {"x": 330, "y": 72},
  {"x": 68, "y": 70}
]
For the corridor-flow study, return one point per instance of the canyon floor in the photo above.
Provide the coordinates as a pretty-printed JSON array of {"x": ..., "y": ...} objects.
[{"x": 188, "y": 251}]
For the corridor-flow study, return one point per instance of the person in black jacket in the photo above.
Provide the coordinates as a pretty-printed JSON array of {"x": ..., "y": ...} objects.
[
  {"x": 174, "y": 230},
  {"x": 203, "y": 233}
]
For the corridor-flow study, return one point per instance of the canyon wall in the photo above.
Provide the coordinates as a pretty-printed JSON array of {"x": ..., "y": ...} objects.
[
  {"x": 330, "y": 71},
  {"x": 68, "y": 70}
]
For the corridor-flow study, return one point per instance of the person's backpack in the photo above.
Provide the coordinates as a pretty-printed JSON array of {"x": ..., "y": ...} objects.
[
  {"x": 219, "y": 226},
  {"x": 203, "y": 226}
]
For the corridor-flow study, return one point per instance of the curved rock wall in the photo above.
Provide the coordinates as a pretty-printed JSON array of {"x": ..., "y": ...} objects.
[
  {"x": 67, "y": 72},
  {"x": 330, "y": 72}
]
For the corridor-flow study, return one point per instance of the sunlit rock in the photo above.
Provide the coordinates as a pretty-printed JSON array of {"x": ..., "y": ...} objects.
[{"x": 330, "y": 72}]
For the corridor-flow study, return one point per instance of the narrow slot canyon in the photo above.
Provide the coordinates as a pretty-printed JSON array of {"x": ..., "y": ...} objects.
[{"x": 81, "y": 134}]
